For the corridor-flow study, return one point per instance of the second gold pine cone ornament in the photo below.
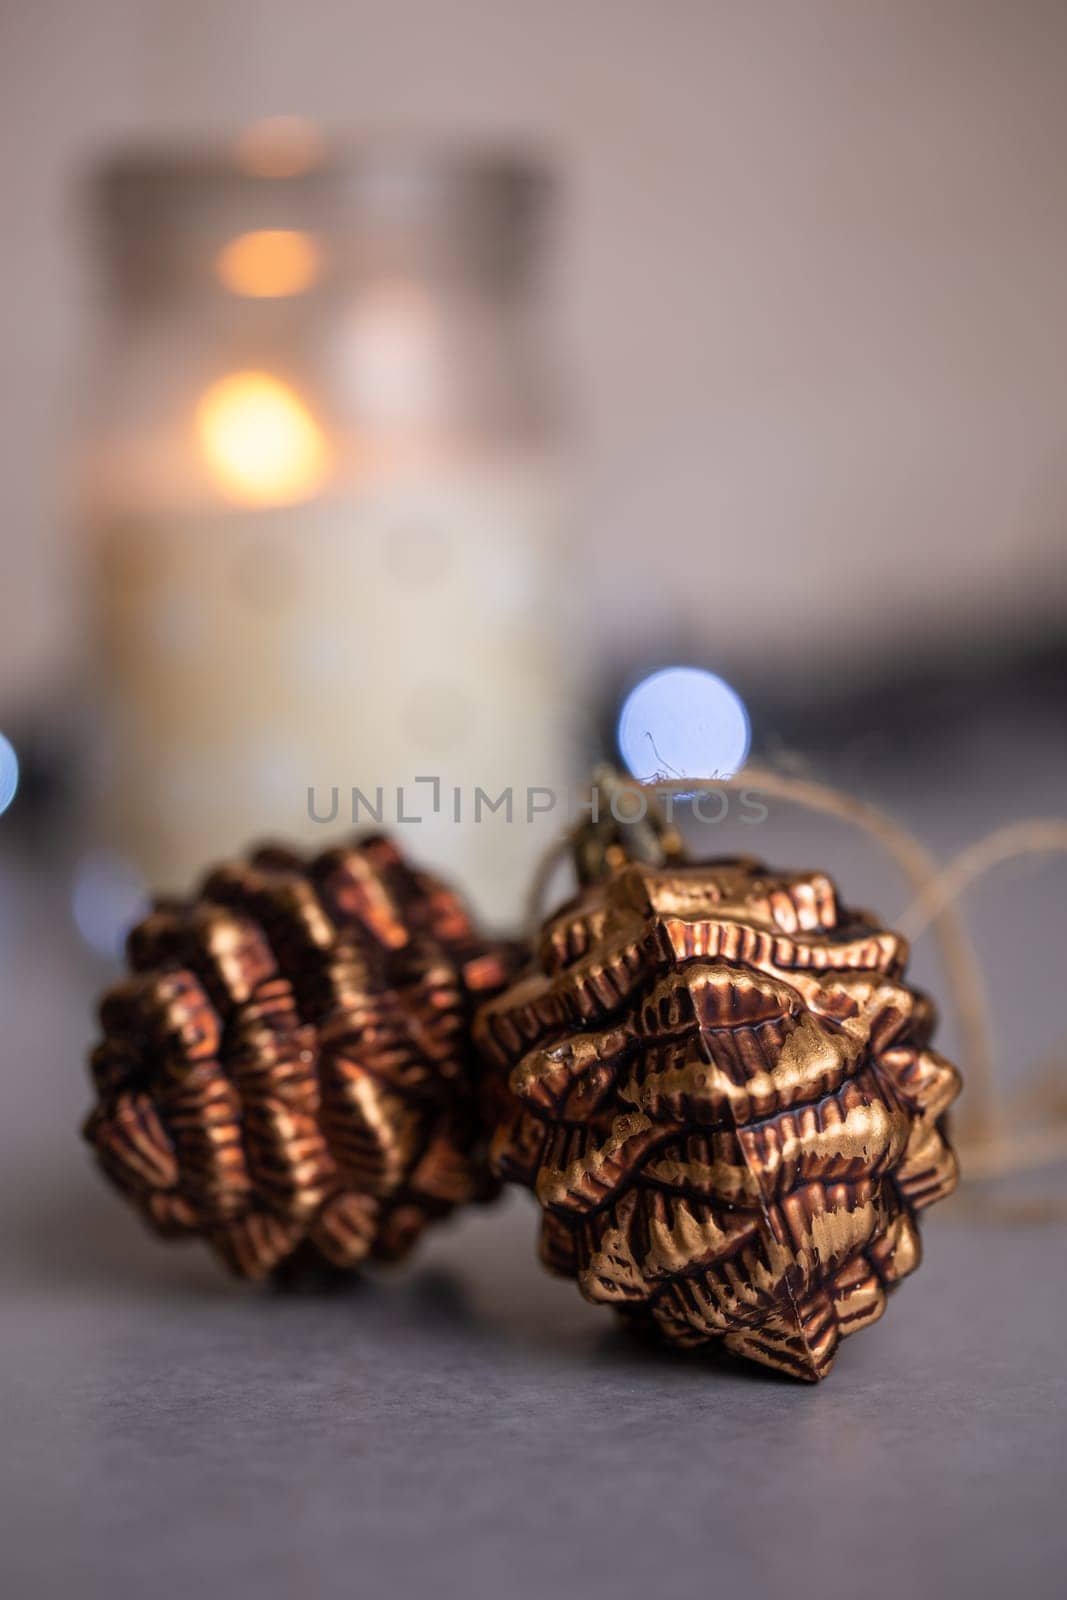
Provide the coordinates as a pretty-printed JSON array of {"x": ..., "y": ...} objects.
[
  {"x": 288, "y": 1072},
  {"x": 720, "y": 1087}
]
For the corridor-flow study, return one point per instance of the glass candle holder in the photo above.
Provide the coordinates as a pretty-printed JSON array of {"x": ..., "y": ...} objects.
[{"x": 325, "y": 484}]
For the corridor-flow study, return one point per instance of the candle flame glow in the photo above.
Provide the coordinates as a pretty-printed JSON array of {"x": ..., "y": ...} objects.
[{"x": 260, "y": 441}]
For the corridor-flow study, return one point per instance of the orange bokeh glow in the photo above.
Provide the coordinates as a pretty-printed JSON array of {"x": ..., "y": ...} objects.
[
  {"x": 269, "y": 263},
  {"x": 280, "y": 147}
]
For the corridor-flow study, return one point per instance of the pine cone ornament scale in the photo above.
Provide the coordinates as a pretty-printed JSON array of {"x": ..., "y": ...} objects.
[
  {"x": 721, "y": 1090},
  {"x": 288, "y": 1071}
]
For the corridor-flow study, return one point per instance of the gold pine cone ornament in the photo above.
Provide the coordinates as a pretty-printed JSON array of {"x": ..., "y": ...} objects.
[
  {"x": 288, "y": 1071},
  {"x": 720, "y": 1087}
]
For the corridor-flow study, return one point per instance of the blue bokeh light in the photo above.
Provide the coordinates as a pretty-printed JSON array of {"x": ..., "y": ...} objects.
[
  {"x": 107, "y": 897},
  {"x": 9, "y": 773},
  {"x": 683, "y": 722}
]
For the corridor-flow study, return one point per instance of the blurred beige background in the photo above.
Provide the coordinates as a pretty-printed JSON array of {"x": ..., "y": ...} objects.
[{"x": 812, "y": 280}]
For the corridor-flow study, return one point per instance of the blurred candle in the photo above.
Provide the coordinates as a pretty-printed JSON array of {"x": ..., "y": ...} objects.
[{"x": 329, "y": 515}]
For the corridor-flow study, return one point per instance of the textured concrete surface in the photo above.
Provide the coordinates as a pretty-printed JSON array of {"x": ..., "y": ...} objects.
[{"x": 469, "y": 1427}]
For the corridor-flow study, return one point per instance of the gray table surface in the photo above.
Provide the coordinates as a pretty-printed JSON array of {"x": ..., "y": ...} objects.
[{"x": 468, "y": 1426}]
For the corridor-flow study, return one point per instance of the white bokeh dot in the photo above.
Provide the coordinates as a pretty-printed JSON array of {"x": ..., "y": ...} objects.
[{"x": 683, "y": 722}]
